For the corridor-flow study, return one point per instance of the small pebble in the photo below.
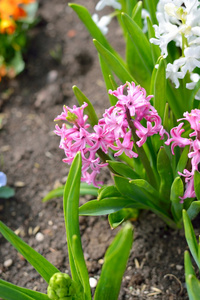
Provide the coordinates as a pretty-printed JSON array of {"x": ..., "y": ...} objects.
[
  {"x": 52, "y": 76},
  {"x": 19, "y": 184},
  {"x": 93, "y": 282},
  {"x": 101, "y": 261},
  {"x": 36, "y": 229},
  {"x": 39, "y": 237},
  {"x": 8, "y": 263},
  {"x": 179, "y": 267}
]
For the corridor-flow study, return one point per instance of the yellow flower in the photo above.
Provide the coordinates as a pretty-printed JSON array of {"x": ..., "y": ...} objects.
[
  {"x": 10, "y": 11},
  {"x": 7, "y": 26}
]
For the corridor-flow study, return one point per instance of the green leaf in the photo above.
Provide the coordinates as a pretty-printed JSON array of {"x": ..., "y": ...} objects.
[
  {"x": 6, "y": 192},
  {"x": 70, "y": 207},
  {"x": 140, "y": 41},
  {"x": 177, "y": 190},
  {"x": 116, "y": 66},
  {"x": 194, "y": 287},
  {"x": 108, "y": 191},
  {"x": 9, "y": 291},
  {"x": 89, "y": 110},
  {"x": 17, "y": 63},
  {"x": 182, "y": 161},
  {"x": 137, "y": 14},
  {"x": 132, "y": 191},
  {"x": 147, "y": 187},
  {"x": 123, "y": 169},
  {"x": 160, "y": 88},
  {"x": 129, "y": 6},
  {"x": 190, "y": 237},
  {"x": 115, "y": 261},
  {"x": 197, "y": 184},
  {"x": 117, "y": 218},
  {"x": 44, "y": 268},
  {"x": 93, "y": 29},
  {"x": 108, "y": 206},
  {"x": 166, "y": 174},
  {"x": 150, "y": 5},
  {"x": 193, "y": 210},
  {"x": 193, "y": 94},
  {"x": 108, "y": 78},
  {"x": 189, "y": 270},
  {"x": 85, "y": 189},
  {"x": 155, "y": 50}
]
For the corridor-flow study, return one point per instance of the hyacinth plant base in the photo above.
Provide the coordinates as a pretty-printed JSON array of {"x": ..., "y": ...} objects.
[{"x": 66, "y": 56}]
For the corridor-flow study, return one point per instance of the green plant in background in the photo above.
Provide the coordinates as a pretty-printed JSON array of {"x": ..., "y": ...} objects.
[
  {"x": 60, "y": 285},
  {"x": 5, "y": 191},
  {"x": 149, "y": 174},
  {"x": 192, "y": 283},
  {"x": 16, "y": 18}
]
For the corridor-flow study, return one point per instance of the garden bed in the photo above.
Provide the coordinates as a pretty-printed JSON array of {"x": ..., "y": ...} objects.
[{"x": 60, "y": 55}]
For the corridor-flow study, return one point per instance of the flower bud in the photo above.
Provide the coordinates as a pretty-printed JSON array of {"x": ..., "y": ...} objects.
[{"x": 62, "y": 287}]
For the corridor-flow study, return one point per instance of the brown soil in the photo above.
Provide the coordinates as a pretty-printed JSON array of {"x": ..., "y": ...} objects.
[{"x": 60, "y": 55}]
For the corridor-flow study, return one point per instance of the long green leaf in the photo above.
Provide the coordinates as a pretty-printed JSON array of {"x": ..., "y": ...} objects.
[
  {"x": 197, "y": 184},
  {"x": 160, "y": 88},
  {"x": 9, "y": 291},
  {"x": 194, "y": 287},
  {"x": 114, "y": 63},
  {"x": 85, "y": 189},
  {"x": 108, "y": 78},
  {"x": 183, "y": 160},
  {"x": 155, "y": 50},
  {"x": 123, "y": 169},
  {"x": 189, "y": 270},
  {"x": 150, "y": 5},
  {"x": 130, "y": 190},
  {"x": 43, "y": 266},
  {"x": 193, "y": 210},
  {"x": 70, "y": 206},
  {"x": 93, "y": 29},
  {"x": 177, "y": 190},
  {"x": 140, "y": 40},
  {"x": 165, "y": 173},
  {"x": 190, "y": 237},
  {"x": 114, "y": 266},
  {"x": 135, "y": 63},
  {"x": 108, "y": 206}
]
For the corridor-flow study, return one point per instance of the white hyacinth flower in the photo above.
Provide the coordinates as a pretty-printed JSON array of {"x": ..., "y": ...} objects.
[
  {"x": 102, "y": 3},
  {"x": 173, "y": 73},
  {"x": 191, "y": 85},
  {"x": 102, "y": 23},
  {"x": 179, "y": 21},
  {"x": 144, "y": 15},
  {"x": 176, "y": 18}
]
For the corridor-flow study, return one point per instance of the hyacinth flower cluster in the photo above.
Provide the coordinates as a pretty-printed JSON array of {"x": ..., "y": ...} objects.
[
  {"x": 179, "y": 21},
  {"x": 124, "y": 127},
  {"x": 194, "y": 152}
]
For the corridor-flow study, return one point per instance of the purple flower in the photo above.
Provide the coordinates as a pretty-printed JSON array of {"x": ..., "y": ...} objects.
[{"x": 3, "y": 179}]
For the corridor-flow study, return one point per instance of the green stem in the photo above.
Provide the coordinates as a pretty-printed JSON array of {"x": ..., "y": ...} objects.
[
  {"x": 104, "y": 157},
  {"x": 141, "y": 152}
]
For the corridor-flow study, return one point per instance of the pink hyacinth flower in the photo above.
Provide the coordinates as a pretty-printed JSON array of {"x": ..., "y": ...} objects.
[{"x": 176, "y": 139}]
